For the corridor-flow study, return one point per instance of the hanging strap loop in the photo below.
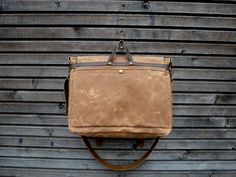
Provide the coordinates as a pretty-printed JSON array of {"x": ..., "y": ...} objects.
[{"x": 121, "y": 45}]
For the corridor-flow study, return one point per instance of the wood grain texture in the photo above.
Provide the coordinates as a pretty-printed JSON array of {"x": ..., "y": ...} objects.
[
  {"x": 55, "y": 153},
  {"x": 75, "y": 142},
  {"x": 61, "y": 59},
  {"x": 178, "y": 133},
  {"x": 38, "y": 36},
  {"x": 77, "y": 173},
  {"x": 58, "y": 108},
  {"x": 118, "y": 6},
  {"x": 92, "y": 165},
  {"x": 62, "y": 72},
  {"x": 58, "y": 96},
  {"x": 61, "y": 120},
  {"x": 57, "y": 84},
  {"x": 104, "y": 46},
  {"x": 116, "y": 33},
  {"x": 118, "y": 20}
]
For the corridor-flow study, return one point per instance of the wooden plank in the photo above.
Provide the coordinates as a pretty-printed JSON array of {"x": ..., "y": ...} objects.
[
  {"x": 34, "y": 96},
  {"x": 74, "y": 142},
  {"x": 35, "y": 59},
  {"x": 93, "y": 165},
  {"x": 26, "y": 172},
  {"x": 56, "y": 71},
  {"x": 126, "y": 155},
  {"x": 178, "y": 122},
  {"x": 36, "y": 131},
  {"x": 178, "y": 86},
  {"x": 44, "y": 108},
  {"x": 58, "y": 96},
  {"x": 204, "y": 86},
  {"x": 207, "y": 62},
  {"x": 183, "y": 110},
  {"x": 196, "y": 98},
  {"x": 225, "y": 99},
  {"x": 104, "y": 46},
  {"x": 58, "y": 108},
  {"x": 181, "y": 133},
  {"x": 34, "y": 119},
  {"x": 213, "y": 122},
  {"x": 32, "y": 71},
  {"x": 204, "y": 74},
  {"x": 115, "y": 154},
  {"x": 115, "y": 33},
  {"x": 61, "y": 59},
  {"x": 53, "y": 84},
  {"x": 118, "y": 6},
  {"x": 118, "y": 20},
  {"x": 221, "y": 98}
]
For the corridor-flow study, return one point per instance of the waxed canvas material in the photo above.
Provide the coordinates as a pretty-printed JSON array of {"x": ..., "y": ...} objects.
[{"x": 134, "y": 103}]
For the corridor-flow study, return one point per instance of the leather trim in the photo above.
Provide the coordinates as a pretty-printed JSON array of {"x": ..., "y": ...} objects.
[{"x": 84, "y": 64}]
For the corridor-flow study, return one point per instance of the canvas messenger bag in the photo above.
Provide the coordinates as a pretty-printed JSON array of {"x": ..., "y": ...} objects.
[{"x": 119, "y": 96}]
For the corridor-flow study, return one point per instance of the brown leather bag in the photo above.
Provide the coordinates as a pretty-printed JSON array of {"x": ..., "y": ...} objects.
[{"x": 119, "y": 97}]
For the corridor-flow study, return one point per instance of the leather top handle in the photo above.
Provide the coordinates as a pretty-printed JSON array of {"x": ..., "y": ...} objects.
[
  {"x": 124, "y": 167},
  {"x": 121, "y": 45}
]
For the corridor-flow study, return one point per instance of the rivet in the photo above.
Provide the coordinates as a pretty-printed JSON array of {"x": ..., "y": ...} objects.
[
  {"x": 131, "y": 63},
  {"x": 109, "y": 63},
  {"x": 121, "y": 71}
]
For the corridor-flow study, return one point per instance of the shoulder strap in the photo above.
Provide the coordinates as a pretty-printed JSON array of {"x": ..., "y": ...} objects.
[
  {"x": 125, "y": 167},
  {"x": 66, "y": 92}
]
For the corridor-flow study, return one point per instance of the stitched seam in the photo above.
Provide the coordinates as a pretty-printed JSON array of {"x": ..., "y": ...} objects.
[
  {"x": 133, "y": 69},
  {"x": 72, "y": 95},
  {"x": 118, "y": 132},
  {"x": 169, "y": 95},
  {"x": 117, "y": 126}
]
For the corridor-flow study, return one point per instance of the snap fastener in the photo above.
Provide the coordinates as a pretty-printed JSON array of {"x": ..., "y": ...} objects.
[{"x": 121, "y": 71}]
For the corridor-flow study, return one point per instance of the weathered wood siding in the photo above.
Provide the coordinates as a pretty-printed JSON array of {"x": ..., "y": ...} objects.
[{"x": 37, "y": 36}]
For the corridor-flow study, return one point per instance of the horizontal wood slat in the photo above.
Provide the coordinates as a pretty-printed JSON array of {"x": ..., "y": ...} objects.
[
  {"x": 118, "y": 20},
  {"x": 77, "y": 143},
  {"x": 118, "y": 154},
  {"x": 34, "y": 119},
  {"x": 58, "y": 96},
  {"x": 204, "y": 74},
  {"x": 77, "y": 173},
  {"x": 178, "y": 86},
  {"x": 58, "y": 108},
  {"x": 105, "y": 46},
  {"x": 116, "y": 33},
  {"x": 62, "y": 59},
  {"x": 200, "y": 86},
  {"x": 59, "y": 120},
  {"x": 64, "y": 132},
  {"x": 118, "y": 6},
  {"x": 178, "y": 73},
  {"x": 91, "y": 164},
  {"x": 53, "y": 84}
]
